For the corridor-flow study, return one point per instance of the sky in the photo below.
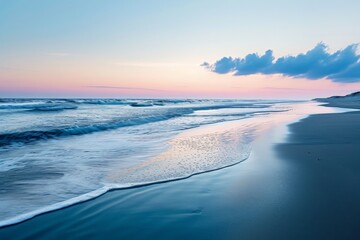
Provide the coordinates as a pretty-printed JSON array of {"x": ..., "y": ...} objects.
[{"x": 179, "y": 49}]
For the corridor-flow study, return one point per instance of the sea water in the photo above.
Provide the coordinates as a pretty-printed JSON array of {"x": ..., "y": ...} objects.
[{"x": 58, "y": 152}]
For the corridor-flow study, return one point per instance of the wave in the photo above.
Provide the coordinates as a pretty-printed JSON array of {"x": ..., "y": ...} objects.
[
  {"x": 136, "y": 102},
  {"x": 99, "y": 192},
  {"x": 20, "y": 103},
  {"x": 41, "y": 106},
  {"x": 54, "y": 107},
  {"x": 31, "y": 136},
  {"x": 103, "y": 101}
]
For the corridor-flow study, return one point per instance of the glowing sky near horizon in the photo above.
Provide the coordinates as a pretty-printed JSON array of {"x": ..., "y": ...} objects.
[{"x": 89, "y": 48}]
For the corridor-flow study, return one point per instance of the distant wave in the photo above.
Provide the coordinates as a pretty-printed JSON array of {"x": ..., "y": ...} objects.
[
  {"x": 28, "y": 103},
  {"x": 67, "y": 104},
  {"x": 41, "y": 106},
  {"x": 136, "y": 102}
]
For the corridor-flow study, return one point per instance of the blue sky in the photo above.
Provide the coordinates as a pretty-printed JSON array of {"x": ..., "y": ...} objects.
[{"x": 68, "y": 37}]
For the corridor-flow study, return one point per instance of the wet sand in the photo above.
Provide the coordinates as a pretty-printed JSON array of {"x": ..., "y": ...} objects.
[
  {"x": 305, "y": 188},
  {"x": 324, "y": 154}
]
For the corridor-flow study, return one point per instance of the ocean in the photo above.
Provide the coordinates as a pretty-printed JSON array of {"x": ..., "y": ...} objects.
[{"x": 59, "y": 152}]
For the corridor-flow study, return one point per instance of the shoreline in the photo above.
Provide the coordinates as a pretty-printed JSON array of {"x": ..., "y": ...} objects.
[{"x": 261, "y": 144}]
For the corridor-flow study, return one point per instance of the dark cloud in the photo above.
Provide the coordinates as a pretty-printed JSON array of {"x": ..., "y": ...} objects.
[
  {"x": 317, "y": 63},
  {"x": 205, "y": 64}
]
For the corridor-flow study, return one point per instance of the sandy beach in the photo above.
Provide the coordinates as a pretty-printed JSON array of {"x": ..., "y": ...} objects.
[{"x": 302, "y": 185}]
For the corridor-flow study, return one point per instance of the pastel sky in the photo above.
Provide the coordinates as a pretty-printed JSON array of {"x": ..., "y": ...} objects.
[{"x": 153, "y": 48}]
